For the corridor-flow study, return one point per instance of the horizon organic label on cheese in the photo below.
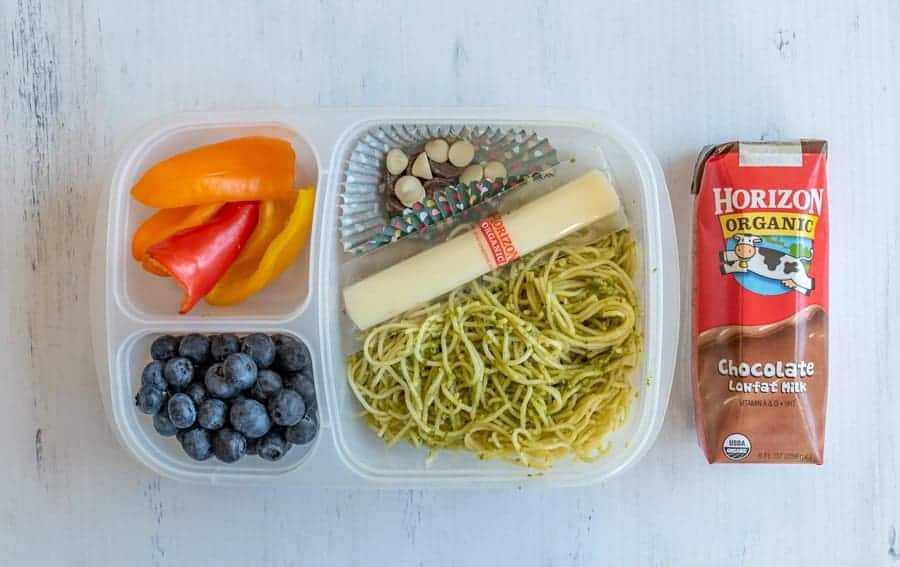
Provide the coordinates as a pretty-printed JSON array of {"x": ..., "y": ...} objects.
[
  {"x": 759, "y": 356},
  {"x": 495, "y": 243}
]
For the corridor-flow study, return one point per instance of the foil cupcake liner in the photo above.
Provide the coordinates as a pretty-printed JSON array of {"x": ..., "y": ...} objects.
[{"x": 366, "y": 224}]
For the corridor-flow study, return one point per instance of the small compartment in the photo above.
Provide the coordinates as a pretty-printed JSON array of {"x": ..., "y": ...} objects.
[
  {"x": 641, "y": 188},
  {"x": 165, "y": 454},
  {"x": 150, "y": 297}
]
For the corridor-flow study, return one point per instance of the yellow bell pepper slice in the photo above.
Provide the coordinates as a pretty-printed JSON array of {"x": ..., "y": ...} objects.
[
  {"x": 273, "y": 217},
  {"x": 279, "y": 254}
]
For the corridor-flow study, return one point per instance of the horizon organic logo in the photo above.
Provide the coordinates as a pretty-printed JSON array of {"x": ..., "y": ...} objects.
[{"x": 728, "y": 199}]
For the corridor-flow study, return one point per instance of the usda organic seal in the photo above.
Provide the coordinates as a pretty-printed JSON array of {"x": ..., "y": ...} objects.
[{"x": 736, "y": 446}]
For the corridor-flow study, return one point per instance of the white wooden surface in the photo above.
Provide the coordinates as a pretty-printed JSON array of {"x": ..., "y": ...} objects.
[{"x": 77, "y": 77}]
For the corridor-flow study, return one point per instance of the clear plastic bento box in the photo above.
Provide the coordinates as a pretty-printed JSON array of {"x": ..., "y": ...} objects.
[{"x": 130, "y": 308}]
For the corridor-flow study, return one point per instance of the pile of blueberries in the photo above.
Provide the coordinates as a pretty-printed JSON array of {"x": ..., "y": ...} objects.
[{"x": 229, "y": 397}]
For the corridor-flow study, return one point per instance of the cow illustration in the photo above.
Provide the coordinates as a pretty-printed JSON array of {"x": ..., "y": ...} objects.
[{"x": 766, "y": 262}]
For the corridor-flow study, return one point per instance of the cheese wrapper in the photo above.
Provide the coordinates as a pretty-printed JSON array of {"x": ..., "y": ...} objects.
[{"x": 493, "y": 242}]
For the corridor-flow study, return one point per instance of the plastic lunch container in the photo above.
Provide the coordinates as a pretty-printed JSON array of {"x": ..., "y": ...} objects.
[{"x": 130, "y": 308}]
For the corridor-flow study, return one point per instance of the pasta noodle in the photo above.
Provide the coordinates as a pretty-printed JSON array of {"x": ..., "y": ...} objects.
[{"x": 529, "y": 363}]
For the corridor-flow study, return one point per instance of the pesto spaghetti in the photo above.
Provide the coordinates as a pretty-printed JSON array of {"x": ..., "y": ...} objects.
[{"x": 529, "y": 363}]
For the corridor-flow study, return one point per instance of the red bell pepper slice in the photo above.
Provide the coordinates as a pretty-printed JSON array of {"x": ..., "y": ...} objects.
[{"x": 198, "y": 257}]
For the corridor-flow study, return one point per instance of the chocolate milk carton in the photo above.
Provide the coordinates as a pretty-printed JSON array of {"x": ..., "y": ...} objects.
[{"x": 760, "y": 320}]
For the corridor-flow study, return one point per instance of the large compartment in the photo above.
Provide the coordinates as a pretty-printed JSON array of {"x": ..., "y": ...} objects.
[{"x": 642, "y": 189}]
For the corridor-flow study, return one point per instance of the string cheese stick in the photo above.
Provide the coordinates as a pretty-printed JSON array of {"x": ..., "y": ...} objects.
[{"x": 493, "y": 243}]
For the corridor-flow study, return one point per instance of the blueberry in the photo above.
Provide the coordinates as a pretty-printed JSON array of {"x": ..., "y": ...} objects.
[
  {"x": 182, "y": 411},
  {"x": 149, "y": 400},
  {"x": 293, "y": 379},
  {"x": 194, "y": 347},
  {"x": 240, "y": 370},
  {"x": 267, "y": 383},
  {"x": 286, "y": 407},
  {"x": 280, "y": 338},
  {"x": 152, "y": 375},
  {"x": 303, "y": 432},
  {"x": 229, "y": 445},
  {"x": 291, "y": 355},
  {"x": 212, "y": 414},
  {"x": 178, "y": 372},
  {"x": 216, "y": 384},
  {"x": 261, "y": 347},
  {"x": 302, "y": 382},
  {"x": 163, "y": 425},
  {"x": 164, "y": 348},
  {"x": 272, "y": 446},
  {"x": 196, "y": 391},
  {"x": 196, "y": 443},
  {"x": 220, "y": 346},
  {"x": 288, "y": 340},
  {"x": 250, "y": 418}
]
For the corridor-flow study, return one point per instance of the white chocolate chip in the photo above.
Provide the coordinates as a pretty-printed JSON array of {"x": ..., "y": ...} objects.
[
  {"x": 421, "y": 168},
  {"x": 396, "y": 161},
  {"x": 461, "y": 153},
  {"x": 471, "y": 173},
  {"x": 409, "y": 190},
  {"x": 494, "y": 169},
  {"x": 437, "y": 150}
]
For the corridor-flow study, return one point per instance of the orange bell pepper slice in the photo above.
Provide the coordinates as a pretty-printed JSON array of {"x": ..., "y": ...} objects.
[
  {"x": 279, "y": 254},
  {"x": 254, "y": 168},
  {"x": 164, "y": 224}
]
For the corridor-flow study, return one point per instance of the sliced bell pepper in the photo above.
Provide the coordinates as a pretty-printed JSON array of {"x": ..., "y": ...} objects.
[
  {"x": 254, "y": 168},
  {"x": 273, "y": 217},
  {"x": 278, "y": 256},
  {"x": 198, "y": 257},
  {"x": 164, "y": 224}
]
